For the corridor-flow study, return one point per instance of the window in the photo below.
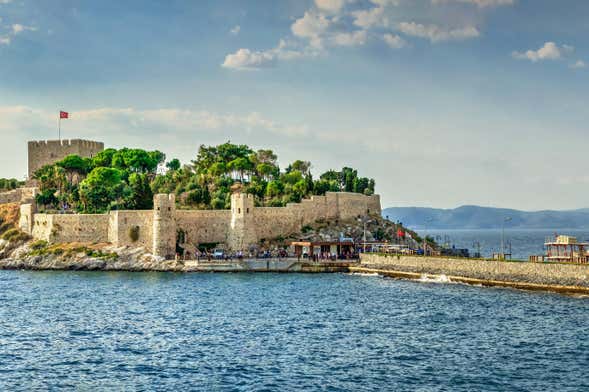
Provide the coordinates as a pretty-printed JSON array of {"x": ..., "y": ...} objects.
[{"x": 239, "y": 210}]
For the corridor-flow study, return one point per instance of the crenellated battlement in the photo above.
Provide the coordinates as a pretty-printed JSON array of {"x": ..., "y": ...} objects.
[{"x": 46, "y": 152}]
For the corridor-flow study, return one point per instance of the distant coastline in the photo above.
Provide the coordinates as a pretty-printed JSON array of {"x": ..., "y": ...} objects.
[{"x": 476, "y": 217}]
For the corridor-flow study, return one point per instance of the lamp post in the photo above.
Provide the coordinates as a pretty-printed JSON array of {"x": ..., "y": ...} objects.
[
  {"x": 502, "y": 253},
  {"x": 364, "y": 237},
  {"x": 427, "y": 220}
]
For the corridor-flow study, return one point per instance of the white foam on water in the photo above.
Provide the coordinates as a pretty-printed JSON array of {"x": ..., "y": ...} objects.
[{"x": 434, "y": 279}]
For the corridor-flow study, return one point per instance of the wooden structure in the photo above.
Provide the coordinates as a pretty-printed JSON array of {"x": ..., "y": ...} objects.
[
  {"x": 565, "y": 249},
  {"x": 344, "y": 248}
]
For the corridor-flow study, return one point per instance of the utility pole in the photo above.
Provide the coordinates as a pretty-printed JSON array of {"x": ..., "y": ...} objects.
[
  {"x": 427, "y": 220},
  {"x": 502, "y": 252},
  {"x": 364, "y": 251}
]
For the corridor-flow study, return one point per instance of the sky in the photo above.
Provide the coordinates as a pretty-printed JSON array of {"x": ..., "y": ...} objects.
[{"x": 443, "y": 102}]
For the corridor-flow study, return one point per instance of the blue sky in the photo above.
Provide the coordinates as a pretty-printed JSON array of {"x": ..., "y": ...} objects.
[{"x": 444, "y": 102}]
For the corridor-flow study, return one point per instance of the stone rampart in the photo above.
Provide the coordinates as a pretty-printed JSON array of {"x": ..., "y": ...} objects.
[
  {"x": 487, "y": 270},
  {"x": 204, "y": 226},
  {"x": 131, "y": 228},
  {"x": 156, "y": 230},
  {"x": 56, "y": 228},
  {"x": 19, "y": 195}
]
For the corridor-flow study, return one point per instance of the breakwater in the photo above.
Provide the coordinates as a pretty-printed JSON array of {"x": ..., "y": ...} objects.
[{"x": 569, "y": 278}]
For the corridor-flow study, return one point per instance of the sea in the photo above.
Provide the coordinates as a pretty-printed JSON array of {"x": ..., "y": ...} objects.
[
  {"x": 115, "y": 331},
  {"x": 519, "y": 242}
]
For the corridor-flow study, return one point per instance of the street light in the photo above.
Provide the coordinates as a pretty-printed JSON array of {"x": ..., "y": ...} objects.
[
  {"x": 427, "y": 220},
  {"x": 502, "y": 254}
]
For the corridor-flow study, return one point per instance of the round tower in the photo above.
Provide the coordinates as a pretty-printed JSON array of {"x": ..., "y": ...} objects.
[{"x": 164, "y": 226}]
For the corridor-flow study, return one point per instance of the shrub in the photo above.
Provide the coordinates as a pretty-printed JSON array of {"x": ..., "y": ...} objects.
[
  {"x": 39, "y": 245},
  {"x": 12, "y": 235},
  {"x": 134, "y": 233},
  {"x": 6, "y": 226}
]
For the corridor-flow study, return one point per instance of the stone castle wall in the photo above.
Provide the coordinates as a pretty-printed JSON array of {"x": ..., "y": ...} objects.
[
  {"x": 46, "y": 152},
  {"x": 19, "y": 195},
  {"x": 58, "y": 228},
  {"x": 239, "y": 228},
  {"x": 121, "y": 223}
]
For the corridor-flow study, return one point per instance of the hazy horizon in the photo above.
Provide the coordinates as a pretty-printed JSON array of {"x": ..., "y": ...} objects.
[{"x": 444, "y": 102}]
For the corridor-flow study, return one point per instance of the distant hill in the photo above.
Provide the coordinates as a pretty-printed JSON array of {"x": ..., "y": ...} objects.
[{"x": 475, "y": 217}]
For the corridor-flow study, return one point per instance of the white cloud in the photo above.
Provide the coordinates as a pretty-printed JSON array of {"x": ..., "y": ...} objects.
[
  {"x": 235, "y": 30},
  {"x": 19, "y": 28},
  {"x": 4, "y": 40},
  {"x": 372, "y": 17},
  {"x": 246, "y": 59},
  {"x": 5, "y": 1},
  {"x": 480, "y": 3},
  {"x": 437, "y": 33},
  {"x": 354, "y": 38},
  {"x": 333, "y": 6},
  {"x": 311, "y": 26},
  {"x": 578, "y": 64},
  {"x": 394, "y": 41},
  {"x": 335, "y": 23},
  {"x": 549, "y": 51}
]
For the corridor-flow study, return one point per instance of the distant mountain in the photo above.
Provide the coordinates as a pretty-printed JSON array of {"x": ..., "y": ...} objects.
[{"x": 475, "y": 217}]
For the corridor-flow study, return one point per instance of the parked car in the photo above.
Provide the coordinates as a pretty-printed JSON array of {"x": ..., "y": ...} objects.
[{"x": 218, "y": 254}]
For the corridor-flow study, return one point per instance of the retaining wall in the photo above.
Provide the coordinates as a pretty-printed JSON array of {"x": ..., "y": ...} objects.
[{"x": 526, "y": 272}]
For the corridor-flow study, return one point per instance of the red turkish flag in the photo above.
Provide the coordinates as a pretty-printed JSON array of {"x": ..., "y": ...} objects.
[{"x": 63, "y": 114}]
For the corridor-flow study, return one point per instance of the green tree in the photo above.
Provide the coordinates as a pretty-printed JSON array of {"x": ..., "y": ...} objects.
[
  {"x": 102, "y": 188},
  {"x": 141, "y": 196},
  {"x": 173, "y": 165}
]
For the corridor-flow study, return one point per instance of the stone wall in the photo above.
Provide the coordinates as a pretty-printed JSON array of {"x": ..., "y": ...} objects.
[
  {"x": 239, "y": 228},
  {"x": 70, "y": 228},
  {"x": 525, "y": 272},
  {"x": 204, "y": 226},
  {"x": 121, "y": 223},
  {"x": 19, "y": 195},
  {"x": 45, "y": 152}
]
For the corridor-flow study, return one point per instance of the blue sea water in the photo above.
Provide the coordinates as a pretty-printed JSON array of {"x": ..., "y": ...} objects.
[
  {"x": 283, "y": 332},
  {"x": 522, "y": 243}
]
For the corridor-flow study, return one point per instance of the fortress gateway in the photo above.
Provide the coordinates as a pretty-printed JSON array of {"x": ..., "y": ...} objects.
[{"x": 158, "y": 230}]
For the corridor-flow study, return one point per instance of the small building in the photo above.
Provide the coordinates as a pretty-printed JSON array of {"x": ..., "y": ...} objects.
[
  {"x": 340, "y": 249},
  {"x": 565, "y": 249}
]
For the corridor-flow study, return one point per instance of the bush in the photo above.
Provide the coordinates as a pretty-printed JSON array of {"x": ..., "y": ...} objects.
[
  {"x": 6, "y": 226},
  {"x": 39, "y": 245},
  {"x": 134, "y": 233},
  {"x": 15, "y": 235}
]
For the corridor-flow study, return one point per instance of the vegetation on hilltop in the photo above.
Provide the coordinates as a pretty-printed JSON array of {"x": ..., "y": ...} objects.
[
  {"x": 8, "y": 184},
  {"x": 128, "y": 178}
]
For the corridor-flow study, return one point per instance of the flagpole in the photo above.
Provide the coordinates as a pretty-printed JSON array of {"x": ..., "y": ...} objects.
[{"x": 59, "y": 127}]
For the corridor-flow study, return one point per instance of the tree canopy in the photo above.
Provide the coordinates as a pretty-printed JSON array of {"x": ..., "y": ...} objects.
[{"x": 128, "y": 178}]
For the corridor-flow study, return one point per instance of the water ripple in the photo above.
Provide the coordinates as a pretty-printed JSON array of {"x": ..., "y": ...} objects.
[{"x": 268, "y": 332}]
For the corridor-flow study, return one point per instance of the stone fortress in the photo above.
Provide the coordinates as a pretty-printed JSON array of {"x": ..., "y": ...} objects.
[
  {"x": 41, "y": 153},
  {"x": 160, "y": 229}
]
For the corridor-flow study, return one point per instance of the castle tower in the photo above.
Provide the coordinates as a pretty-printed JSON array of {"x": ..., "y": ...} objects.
[
  {"x": 242, "y": 231},
  {"x": 46, "y": 152},
  {"x": 164, "y": 226}
]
